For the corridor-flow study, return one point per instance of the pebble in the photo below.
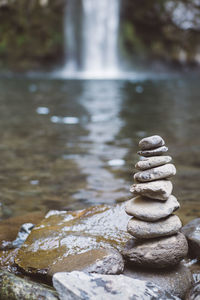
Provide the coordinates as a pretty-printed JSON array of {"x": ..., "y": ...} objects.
[
  {"x": 154, "y": 152},
  {"x": 151, "y": 142},
  {"x": 156, "y": 253},
  {"x": 161, "y": 172},
  {"x": 151, "y": 210},
  {"x": 159, "y": 189},
  {"x": 151, "y": 162},
  {"x": 145, "y": 230}
]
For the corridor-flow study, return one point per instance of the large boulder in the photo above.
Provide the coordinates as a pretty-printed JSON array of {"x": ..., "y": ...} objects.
[
  {"x": 81, "y": 286},
  {"x": 62, "y": 234}
]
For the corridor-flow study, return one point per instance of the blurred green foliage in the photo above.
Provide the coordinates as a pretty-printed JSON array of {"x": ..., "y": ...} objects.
[{"x": 31, "y": 33}]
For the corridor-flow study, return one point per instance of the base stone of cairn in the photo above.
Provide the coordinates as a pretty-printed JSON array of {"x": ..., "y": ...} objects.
[{"x": 157, "y": 241}]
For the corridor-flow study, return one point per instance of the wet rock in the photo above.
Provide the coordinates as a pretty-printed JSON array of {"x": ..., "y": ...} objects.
[
  {"x": 159, "y": 189},
  {"x": 79, "y": 285},
  {"x": 194, "y": 293},
  {"x": 161, "y": 172},
  {"x": 24, "y": 232},
  {"x": 151, "y": 210},
  {"x": 151, "y": 142},
  {"x": 176, "y": 280},
  {"x": 102, "y": 261},
  {"x": 157, "y": 253},
  {"x": 154, "y": 152},
  {"x": 15, "y": 288},
  {"x": 192, "y": 233},
  {"x": 145, "y": 230},
  {"x": 151, "y": 162},
  {"x": 69, "y": 233},
  {"x": 9, "y": 228}
]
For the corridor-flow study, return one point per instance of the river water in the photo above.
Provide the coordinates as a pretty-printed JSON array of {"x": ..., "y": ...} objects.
[{"x": 68, "y": 144}]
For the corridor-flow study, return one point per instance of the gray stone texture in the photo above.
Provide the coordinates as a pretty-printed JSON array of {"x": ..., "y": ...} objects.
[
  {"x": 151, "y": 162},
  {"x": 151, "y": 210},
  {"x": 151, "y": 142},
  {"x": 154, "y": 152},
  {"x": 192, "y": 233},
  {"x": 157, "y": 173}
]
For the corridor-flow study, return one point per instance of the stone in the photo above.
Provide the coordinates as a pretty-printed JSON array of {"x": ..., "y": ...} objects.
[
  {"x": 22, "y": 235},
  {"x": 161, "y": 172},
  {"x": 151, "y": 210},
  {"x": 146, "y": 230},
  {"x": 13, "y": 287},
  {"x": 154, "y": 152},
  {"x": 151, "y": 162},
  {"x": 156, "y": 253},
  {"x": 175, "y": 280},
  {"x": 194, "y": 293},
  {"x": 159, "y": 189},
  {"x": 151, "y": 142},
  {"x": 102, "y": 261},
  {"x": 192, "y": 233},
  {"x": 64, "y": 233},
  {"x": 82, "y": 286}
]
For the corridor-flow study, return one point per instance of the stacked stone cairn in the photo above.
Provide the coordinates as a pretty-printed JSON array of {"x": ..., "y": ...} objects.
[{"x": 157, "y": 241}]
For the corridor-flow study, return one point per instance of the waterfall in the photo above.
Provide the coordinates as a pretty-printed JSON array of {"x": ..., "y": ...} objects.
[{"x": 91, "y": 37}]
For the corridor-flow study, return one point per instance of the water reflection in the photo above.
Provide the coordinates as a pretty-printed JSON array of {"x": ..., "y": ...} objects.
[{"x": 70, "y": 144}]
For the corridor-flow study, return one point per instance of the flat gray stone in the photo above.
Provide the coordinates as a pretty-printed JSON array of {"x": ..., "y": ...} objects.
[
  {"x": 151, "y": 210},
  {"x": 161, "y": 172},
  {"x": 83, "y": 286},
  {"x": 175, "y": 280},
  {"x": 151, "y": 162},
  {"x": 102, "y": 261},
  {"x": 192, "y": 233},
  {"x": 146, "y": 230},
  {"x": 154, "y": 152},
  {"x": 159, "y": 189},
  {"x": 156, "y": 253},
  {"x": 151, "y": 142}
]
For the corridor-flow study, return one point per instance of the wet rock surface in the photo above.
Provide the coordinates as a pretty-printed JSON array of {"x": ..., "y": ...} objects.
[
  {"x": 79, "y": 285},
  {"x": 69, "y": 233},
  {"x": 192, "y": 233},
  {"x": 151, "y": 210},
  {"x": 176, "y": 280},
  {"x": 158, "y": 252},
  {"x": 102, "y": 261},
  {"x": 194, "y": 293},
  {"x": 163, "y": 227},
  {"x": 159, "y": 189},
  {"x": 15, "y": 288}
]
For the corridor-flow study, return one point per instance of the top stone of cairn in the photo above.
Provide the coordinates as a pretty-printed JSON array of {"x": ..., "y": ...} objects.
[{"x": 151, "y": 142}]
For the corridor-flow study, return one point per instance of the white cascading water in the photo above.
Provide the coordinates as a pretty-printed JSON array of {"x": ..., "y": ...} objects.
[{"x": 91, "y": 33}]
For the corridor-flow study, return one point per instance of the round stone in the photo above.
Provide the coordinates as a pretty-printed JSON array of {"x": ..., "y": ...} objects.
[
  {"x": 161, "y": 172},
  {"x": 159, "y": 189},
  {"x": 151, "y": 162},
  {"x": 145, "y": 230},
  {"x": 151, "y": 210},
  {"x": 156, "y": 253},
  {"x": 151, "y": 142},
  {"x": 154, "y": 152}
]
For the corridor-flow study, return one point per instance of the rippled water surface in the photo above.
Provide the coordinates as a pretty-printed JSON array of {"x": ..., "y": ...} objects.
[{"x": 71, "y": 144}]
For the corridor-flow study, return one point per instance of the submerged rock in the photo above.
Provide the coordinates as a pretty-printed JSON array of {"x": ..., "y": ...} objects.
[
  {"x": 15, "y": 288},
  {"x": 81, "y": 286},
  {"x": 102, "y": 261},
  {"x": 69, "y": 233},
  {"x": 176, "y": 280},
  {"x": 192, "y": 233}
]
